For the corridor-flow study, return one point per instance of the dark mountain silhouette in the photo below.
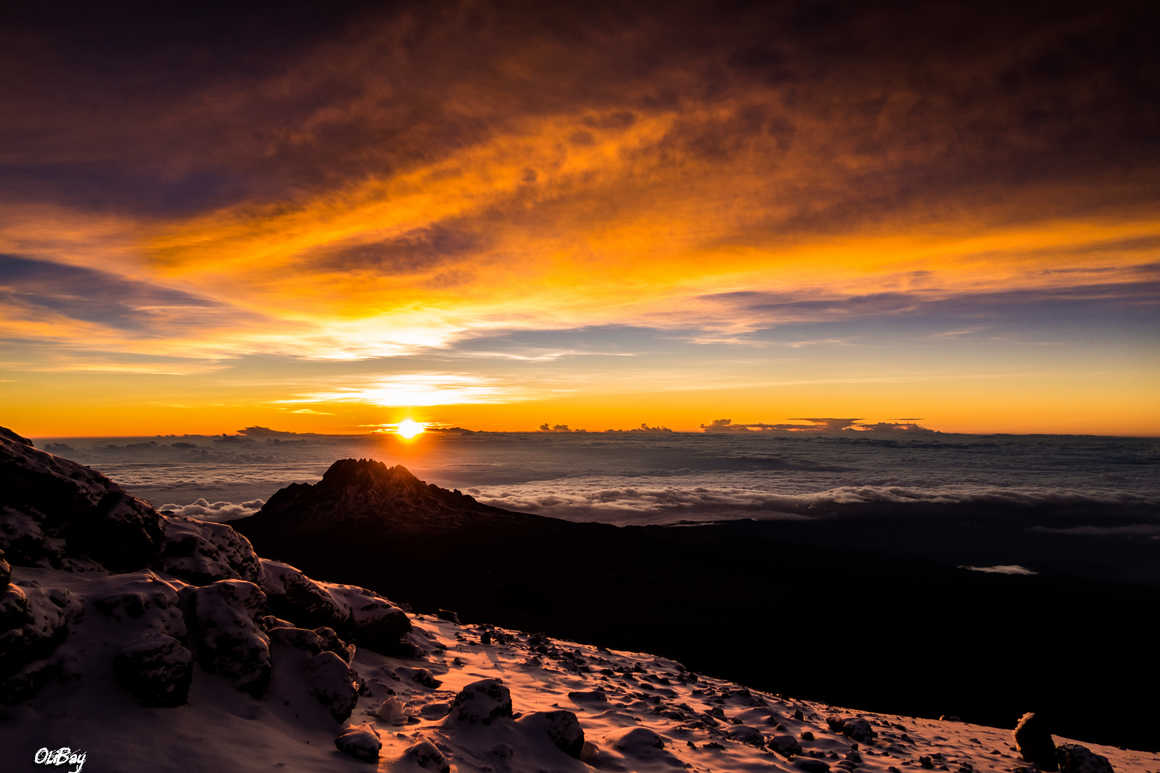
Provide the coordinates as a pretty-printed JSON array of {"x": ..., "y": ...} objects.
[{"x": 875, "y": 623}]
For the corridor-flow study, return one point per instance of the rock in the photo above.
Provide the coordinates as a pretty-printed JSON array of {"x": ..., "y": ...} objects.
[
  {"x": 561, "y": 727},
  {"x": 786, "y": 745},
  {"x": 156, "y": 668},
  {"x": 482, "y": 702},
  {"x": 810, "y": 765},
  {"x": 50, "y": 500},
  {"x": 360, "y": 741},
  {"x": 425, "y": 756},
  {"x": 369, "y": 619},
  {"x": 1074, "y": 758},
  {"x": 333, "y": 683},
  {"x": 448, "y": 615},
  {"x": 202, "y": 552},
  {"x": 746, "y": 734},
  {"x": 1034, "y": 742},
  {"x": 222, "y": 620},
  {"x": 294, "y": 595},
  {"x": 5, "y": 572}
]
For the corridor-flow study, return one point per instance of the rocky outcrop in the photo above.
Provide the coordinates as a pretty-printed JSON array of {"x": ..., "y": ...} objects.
[
  {"x": 854, "y": 728},
  {"x": 368, "y": 619},
  {"x": 54, "y": 508},
  {"x": 295, "y": 596},
  {"x": 364, "y": 491}
]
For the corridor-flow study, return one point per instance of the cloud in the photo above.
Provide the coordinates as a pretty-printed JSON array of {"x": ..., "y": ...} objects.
[
  {"x": 416, "y": 390},
  {"x": 214, "y": 511},
  {"x": 1009, "y": 569}
]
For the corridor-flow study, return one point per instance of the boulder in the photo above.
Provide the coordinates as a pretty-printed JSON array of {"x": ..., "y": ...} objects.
[
  {"x": 1074, "y": 758},
  {"x": 5, "y": 572},
  {"x": 202, "y": 552},
  {"x": 810, "y": 765},
  {"x": 221, "y": 618},
  {"x": 425, "y": 756},
  {"x": 156, "y": 668},
  {"x": 595, "y": 697},
  {"x": 482, "y": 702},
  {"x": 333, "y": 683},
  {"x": 561, "y": 728},
  {"x": 360, "y": 741},
  {"x": 420, "y": 676},
  {"x": 1034, "y": 742}
]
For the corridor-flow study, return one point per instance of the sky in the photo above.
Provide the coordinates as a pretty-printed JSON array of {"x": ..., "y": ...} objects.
[{"x": 496, "y": 215}]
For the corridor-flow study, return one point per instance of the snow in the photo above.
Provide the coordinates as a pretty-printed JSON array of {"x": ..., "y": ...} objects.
[{"x": 654, "y": 715}]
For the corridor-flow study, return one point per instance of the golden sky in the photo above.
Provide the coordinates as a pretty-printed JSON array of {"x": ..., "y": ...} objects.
[{"x": 494, "y": 216}]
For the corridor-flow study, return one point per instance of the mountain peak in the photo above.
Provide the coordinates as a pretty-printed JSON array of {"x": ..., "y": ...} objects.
[
  {"x": 369, "y": 492},
  {"x": 370, "y": 473}
]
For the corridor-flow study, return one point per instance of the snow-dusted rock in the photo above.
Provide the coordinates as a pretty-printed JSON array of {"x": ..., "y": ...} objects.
[
  {"x": 368, "y": 619},
  {"x": 482, "y": 702},
  {"x": 202, "y": 551},
  {"x": 360, "y": 741},
  {"x": 5, "y": 572},
  {"x": 561, "y": 728},
  {"x": 1074, "y": 758},
  {"x": 296, "y": 597},
  {"x": 156, "y": 668},
  {"x": 222, "y": 621},
  {"x": 425, "y": 756},
  {"x": 1034, "y": 742},
  {"x": 810, "y": 765},
  {"x": 333, "y": 683},
  {"x": 144, "y": 600}
]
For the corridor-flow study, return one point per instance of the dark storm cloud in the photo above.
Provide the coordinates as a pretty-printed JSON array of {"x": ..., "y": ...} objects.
[
  {"x": 94, "y": 296},
  {"x": 156, "y": 112}
]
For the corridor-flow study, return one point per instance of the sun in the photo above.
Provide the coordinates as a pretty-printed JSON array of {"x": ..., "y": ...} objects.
[{"x": 408, "y": 428}]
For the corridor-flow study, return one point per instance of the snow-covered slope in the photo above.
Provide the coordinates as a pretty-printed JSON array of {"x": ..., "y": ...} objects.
[{"x": 190, "y": 653}]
